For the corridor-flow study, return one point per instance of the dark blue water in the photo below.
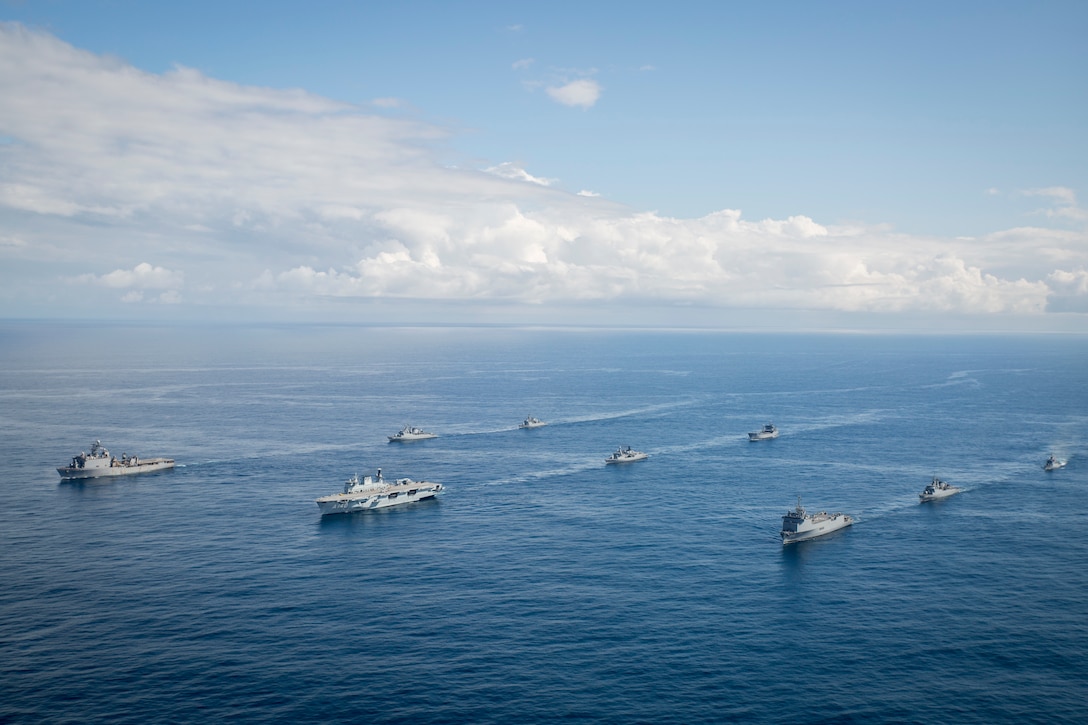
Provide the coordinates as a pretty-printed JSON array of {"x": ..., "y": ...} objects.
[{"x": 543, "y": 585}]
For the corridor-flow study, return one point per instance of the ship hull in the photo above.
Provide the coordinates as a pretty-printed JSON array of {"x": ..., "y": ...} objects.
[
  {"x": 349, "y": 504},
  {"x": 937, "y": 495},
  {"x": 821, "y": 529},
  {"x": 150, "y": 465},
  {"x": 632, "y": 459}
]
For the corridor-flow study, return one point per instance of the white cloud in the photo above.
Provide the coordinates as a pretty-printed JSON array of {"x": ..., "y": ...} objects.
[
  {"x": 583, "y": 92},
  {"x": 1065, "y": 203},
  {"x": 1069, "y": 291},
  {"x": 248, "y": 195},
  {"x": 142, "y": 276},
  {"x": 12, "y": 242},
  {"x": 720, "y": 259},
  {"x": 1059, "y": 193},
  {"x": 523, "y": 64},
  {"x": 586, "y": 192},
  {"x": 509, "y": 170},
  {"x": 169, "y": 297}
]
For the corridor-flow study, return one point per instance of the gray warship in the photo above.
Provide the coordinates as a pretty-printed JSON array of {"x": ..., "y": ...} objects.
[{"x": 100, "y": 464}]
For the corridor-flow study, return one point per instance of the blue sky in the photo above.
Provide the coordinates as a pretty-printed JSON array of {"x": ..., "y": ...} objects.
[{"x": 711, "y": 162}]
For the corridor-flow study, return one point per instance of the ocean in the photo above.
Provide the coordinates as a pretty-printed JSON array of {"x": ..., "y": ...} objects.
[{"x": 542, "y": 585}]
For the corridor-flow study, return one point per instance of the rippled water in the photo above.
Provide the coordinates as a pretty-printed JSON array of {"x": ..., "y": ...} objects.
[{"x": 543, "y": 585}]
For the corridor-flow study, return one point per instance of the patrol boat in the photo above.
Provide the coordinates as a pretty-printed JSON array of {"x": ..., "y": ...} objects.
[
  {"x": 765, "y": 433},
  {"x": 625, "y": 454},
  {"x": 374, "y": 493},
  {"x": 1053, "y": 464},
  {"x": 100, "y": 464},
  {"x": 411, "y": 433},
  {"x": 531, "y": 422},
  {"x": 797, "y": 525},
  {"x": 937, "y": 489}
]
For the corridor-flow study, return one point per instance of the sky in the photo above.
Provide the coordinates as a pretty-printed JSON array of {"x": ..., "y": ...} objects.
[{"x": 778, "y": 165}]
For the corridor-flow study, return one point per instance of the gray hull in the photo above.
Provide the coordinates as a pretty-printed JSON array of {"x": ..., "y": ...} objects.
[
  {"x": 144, "y": 466},
  {"x": 378, "y": 496},
  {"x": 825, "y": 524},
  {"x": 365, "y": 503},
  {"x": 938, "y": 494}
]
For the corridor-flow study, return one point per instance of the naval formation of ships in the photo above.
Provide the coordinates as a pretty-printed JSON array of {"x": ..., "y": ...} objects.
[{"x": 373, "y": 492}]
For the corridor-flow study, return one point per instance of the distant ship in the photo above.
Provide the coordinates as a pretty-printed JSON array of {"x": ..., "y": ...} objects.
[
  {"x": 375, "y": 493},
  {"x": 626, "y": 454},
  {"x": 1053, "y": 464},
  {"x": 531, "y": 422},
  {"x": 410, "y": 433},
  {"x": 937, "y": 489},
  {"x": 99, "y": 464},
  {"x": 766, "y": 433},
  {"x": 799, "y": 526}
]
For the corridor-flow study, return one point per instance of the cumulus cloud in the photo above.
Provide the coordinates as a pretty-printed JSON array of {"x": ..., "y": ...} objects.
[
  {"x": 138, "y": 281},
  {"x": 244, "y": 194},
  {"x": 583, "y": 92},
  {"x": 719, "y": 259},
  {"x": 1068, "y": 290},
  {"x": 142, "y": 276}
]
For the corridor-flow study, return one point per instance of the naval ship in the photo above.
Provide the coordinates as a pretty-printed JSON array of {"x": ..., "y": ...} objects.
[
  {"x": 410, "y": 433},
  {"x": 374, "y": 493},
  {"x": 766, "y": 433},
  {"x": 626, "y": 454},
  {"x": 99, "y": 464},
  {"x": 937, "y": 489},
  {"x": 1053, "y": 464},
  {"x": 797, "y": 525}
]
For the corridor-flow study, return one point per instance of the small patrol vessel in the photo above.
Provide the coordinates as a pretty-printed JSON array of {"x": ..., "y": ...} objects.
[
  {"x": 531, "y": 422},
  {"x": 373, "y": 492},
  {"x": 797, "y": 525},
  {"x": 937, "y": 489},
  {"x": 625, "y": 454},
  {"x": 1053, "y": 464},
  {"x": 411, "y": 433},
  {"x": 99, "y": 464},
  {"x": 764, "y": 434}
]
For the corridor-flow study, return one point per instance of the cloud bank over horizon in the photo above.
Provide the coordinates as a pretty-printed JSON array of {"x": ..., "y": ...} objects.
[{"x": 178, "y": 188}]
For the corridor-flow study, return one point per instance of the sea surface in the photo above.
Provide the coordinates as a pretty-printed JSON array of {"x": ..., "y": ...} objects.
[{"x": 542, "y": 585}]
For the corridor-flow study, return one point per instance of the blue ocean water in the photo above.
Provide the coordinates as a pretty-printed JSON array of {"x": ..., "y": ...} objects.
[{"x": 543, "y": 585}]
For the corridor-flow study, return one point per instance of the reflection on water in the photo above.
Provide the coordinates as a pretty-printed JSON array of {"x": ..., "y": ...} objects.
[{"x": 372, "y": 519}]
